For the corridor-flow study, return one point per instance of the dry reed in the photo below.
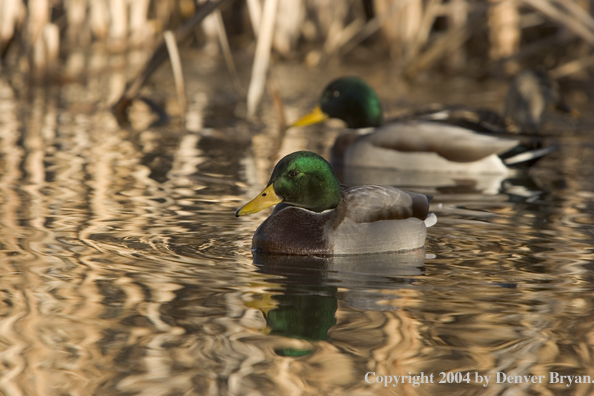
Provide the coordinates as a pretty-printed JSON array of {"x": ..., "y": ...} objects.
[
  {"x": 177, "y": 69},
  {"x": 417, "y": 34}
]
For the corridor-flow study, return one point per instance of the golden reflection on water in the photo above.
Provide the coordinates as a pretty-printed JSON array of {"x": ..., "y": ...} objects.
[{"x": 125, "y": 272}]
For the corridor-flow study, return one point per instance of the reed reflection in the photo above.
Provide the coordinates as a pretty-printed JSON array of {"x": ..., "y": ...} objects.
[{"x": 124, "y": 271}]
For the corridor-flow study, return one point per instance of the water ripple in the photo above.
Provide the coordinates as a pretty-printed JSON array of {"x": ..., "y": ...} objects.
[{"x": 126, "y": 272}]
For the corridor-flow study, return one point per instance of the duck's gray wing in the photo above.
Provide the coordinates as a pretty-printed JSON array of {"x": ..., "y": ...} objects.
[
  {"x": 450, "y": 142},
  {"x": 366, "y": 204},
  {"x": 474, "y": 118}
]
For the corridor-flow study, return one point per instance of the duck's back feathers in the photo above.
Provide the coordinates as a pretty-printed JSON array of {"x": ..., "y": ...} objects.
[
  {"x": 424, "y": 146},
  {"x": 379, "y": 219},
  {"x": 378, "y": 236},
  {"x": 450, "y": 142},
  {"x": 476, "y": 119},
  {"x": 366, "y": 204}
]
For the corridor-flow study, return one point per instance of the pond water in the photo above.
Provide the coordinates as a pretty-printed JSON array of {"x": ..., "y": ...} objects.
[{"x": 125, "y": 272}]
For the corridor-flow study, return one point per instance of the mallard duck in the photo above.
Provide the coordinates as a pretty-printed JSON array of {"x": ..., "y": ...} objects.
[
  {"x": 315, "y": 215},
  {"x": 428, "y": 143}
]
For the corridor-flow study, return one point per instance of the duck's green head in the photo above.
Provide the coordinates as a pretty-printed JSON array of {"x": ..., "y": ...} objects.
[
  {"x": 302, "y": 179},
  {"x": 349, "y": 99}
]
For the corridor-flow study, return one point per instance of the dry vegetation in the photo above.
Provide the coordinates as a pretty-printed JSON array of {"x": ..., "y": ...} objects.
[{"x": 479, "y": 37}]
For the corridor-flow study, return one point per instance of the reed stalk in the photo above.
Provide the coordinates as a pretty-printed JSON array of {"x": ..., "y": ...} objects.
[
  {"x": 416, "y": 34},
  {"x": 159, "y": 55},
  {"x": 178, "y": 75},
  {"x": 262, "y": 57},
  {"x": 457, "y": 17},
  {"x": 581, "y": 26},
  {"x": 504, "y": 30},
  {"x": 11, "y": 16},
  {"x": 227, "y": 54}
]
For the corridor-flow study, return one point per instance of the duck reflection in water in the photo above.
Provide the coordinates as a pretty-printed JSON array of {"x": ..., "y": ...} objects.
[{"x": 306, "y": 308}]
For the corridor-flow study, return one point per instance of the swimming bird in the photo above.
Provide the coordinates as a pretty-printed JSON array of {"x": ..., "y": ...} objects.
[
  {"x": 431, "y": 142},
  {"x": 315, "y": 215}
]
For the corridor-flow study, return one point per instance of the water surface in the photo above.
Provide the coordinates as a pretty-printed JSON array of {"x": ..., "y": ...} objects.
[{"x": 124, "y": 271}]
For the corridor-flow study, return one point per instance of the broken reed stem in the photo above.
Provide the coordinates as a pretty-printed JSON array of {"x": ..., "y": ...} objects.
[
  {"x": 577, "y": 12},
  {"x": 371, "y": 27},
  {"x": 226, "y": 48},
  {"x": 447, "y": 43},
  {"x": 572, "y": 67},
  {"x": 555, "y": 14},
  {"x": 342, "y": 37},
  {"x": 178, "y": 75},
  {"x": 159, "y": 55},
  {"x": 431, "y": 11}
]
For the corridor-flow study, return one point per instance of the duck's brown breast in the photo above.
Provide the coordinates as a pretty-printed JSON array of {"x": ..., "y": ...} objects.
[{"x": 292, "y": 230}]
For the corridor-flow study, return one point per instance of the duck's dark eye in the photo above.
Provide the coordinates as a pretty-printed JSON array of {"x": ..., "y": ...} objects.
[
  {"x": 336, "y": 94},
  {"x": 293, "y": 173}
]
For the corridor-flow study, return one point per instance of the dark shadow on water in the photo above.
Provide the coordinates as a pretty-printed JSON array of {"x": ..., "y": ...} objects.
[
  {"x": 305, "y": 309},
  {"x": 352, "y": 272}
]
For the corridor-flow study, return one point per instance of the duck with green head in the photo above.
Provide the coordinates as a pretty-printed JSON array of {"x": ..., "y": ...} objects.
[
  {"x": 429, "y": 142},
  {"x": 316, "y": 215},
  {"x": 349, "y": 99}
]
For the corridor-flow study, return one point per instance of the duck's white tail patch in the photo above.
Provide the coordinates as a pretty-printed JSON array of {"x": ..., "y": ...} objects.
[{"x": 431, "y": 220}]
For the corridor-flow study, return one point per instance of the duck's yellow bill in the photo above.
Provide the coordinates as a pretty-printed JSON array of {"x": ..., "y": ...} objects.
[
  {"x": 266, "y": 199},
  {"x": 316, "y": 115}
]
